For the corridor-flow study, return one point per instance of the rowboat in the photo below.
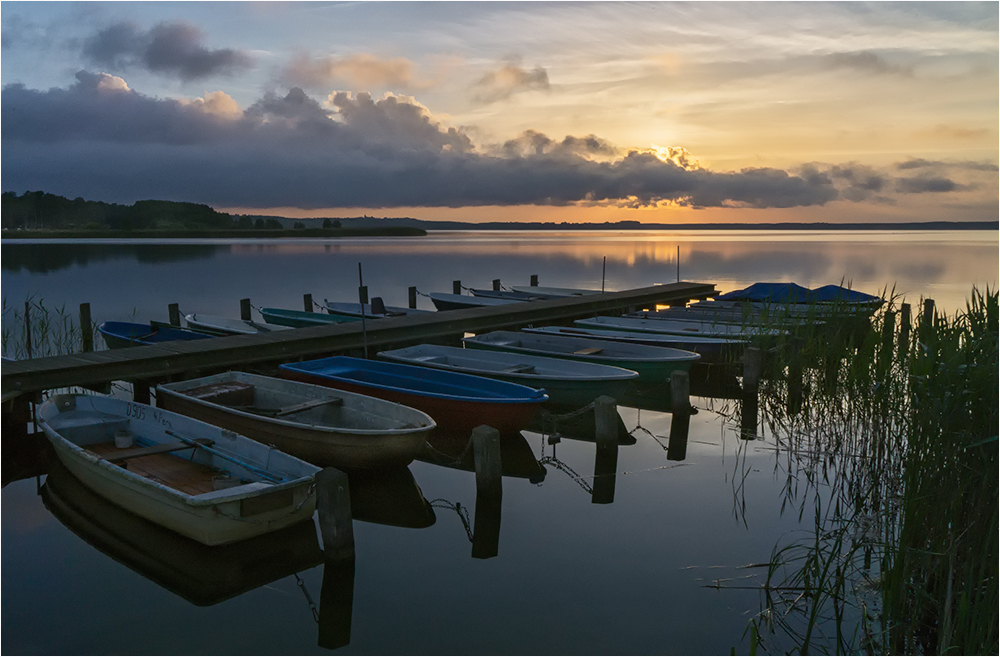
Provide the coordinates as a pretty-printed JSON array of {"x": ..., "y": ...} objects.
[
  {"x": 454, "y": 400},
  {"x": 711, "y": 350},
  {"x": 118, "y": 335},
  {"x": 375, "y": 309},
  {"x": 207, "y": 483},
  {"x": 342, "y": 429},
  {"x": 679, "y": 327},
  {"x": 554, "y": 292},
  {"x": 443, "y": 301},
  {"x": 227, "y": 325},
  {"x": 566, "y": 381},
  {"x": 653, "y": 364},
  {"x": 302, "y": 318},
  {"x": 203, "y": 575},
  {"x": 744, "y": 318},
  {"x": 511, "y": 294}
]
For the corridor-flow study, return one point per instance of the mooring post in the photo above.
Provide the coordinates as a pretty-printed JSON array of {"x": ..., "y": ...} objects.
[
  {"x": 752, "y": 364},
  {"x": 680, "y": 424},
  {"x": 27, "y": 327},
  {"x": 336, "y": 603},
  {"x": 928, "y": 312},
  {"x": 412, "y": 296},
  {"x": 456, "y": 287},
  {"x": 174, "y": 314},
  {"x": 333, "y": 502},
  {"x": 86, "y": 327},
  {"x": 680, "y": 392},
  {"x": 904, "y": 329},
  {"x": 489, "y": 492},
  {"x": 245, "y": 309},
  {"x": 606, "y": 421},
  {"x": 496, "y": 284},
  {"x": 534, "y": 280},
  {"x": 888, "y": 329},
  {"x": 363, "y": 294},
  {"x": 794, "y": 401},
  {"x": 307, "y": 303},
  {"x": 140, "y": 391}
]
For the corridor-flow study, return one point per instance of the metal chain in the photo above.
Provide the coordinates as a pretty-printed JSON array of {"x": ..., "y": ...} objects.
[
  {"x": 551, "y": 460},
  {"x": 463, "y": 513},
  {"x": 422, "y": 294},
  {"x": 305, "y": 592},
  {"x": 454, "y": 460}
]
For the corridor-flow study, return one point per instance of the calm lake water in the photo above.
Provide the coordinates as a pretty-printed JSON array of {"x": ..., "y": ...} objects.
[{"x": 616, "y": 564}]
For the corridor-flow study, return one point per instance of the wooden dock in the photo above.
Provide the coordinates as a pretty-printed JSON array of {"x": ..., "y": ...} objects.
[{"x": 186, "y": 359}]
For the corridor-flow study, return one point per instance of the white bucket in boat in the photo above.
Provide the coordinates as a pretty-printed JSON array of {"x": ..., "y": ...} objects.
[{"x": 123, "y": 438}]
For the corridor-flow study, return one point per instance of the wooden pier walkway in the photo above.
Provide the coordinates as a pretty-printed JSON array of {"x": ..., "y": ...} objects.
[{"x": 186, "y": 359}]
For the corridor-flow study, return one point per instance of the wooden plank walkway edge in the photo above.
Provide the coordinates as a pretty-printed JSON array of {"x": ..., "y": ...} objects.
[{"x": 171, "y": 358}]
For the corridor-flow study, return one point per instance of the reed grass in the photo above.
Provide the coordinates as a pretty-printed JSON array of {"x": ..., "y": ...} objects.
[
  {"x": 893, "y": 449},
  {"x": 53, "y": 331}
]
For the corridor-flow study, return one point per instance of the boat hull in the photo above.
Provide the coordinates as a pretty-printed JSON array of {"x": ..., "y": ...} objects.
[
  {"x": 653, "y": 364},
  {"x": 711, "y": 350},
  {"x": 567, "y": 382},
  {"x": 301, "y": 318},
  {"x": 214, "y": 518},
  {"x": 454, "y": 401},
  {"x": 396, "y": 443},
  {"x": 119, "y": 335}
]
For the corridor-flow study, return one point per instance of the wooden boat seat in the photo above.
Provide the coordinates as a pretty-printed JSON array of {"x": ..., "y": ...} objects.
[
  {"x": 588, "y": 351},
  {"x": 136, "y": 452},
  {"x": 232, "y": 393},
  {"x": 519, "y": 369},
  {"x": 290, "y": 410}
]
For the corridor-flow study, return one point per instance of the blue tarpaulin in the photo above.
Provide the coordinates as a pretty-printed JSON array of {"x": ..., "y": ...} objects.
[{"x": 792, "y": 293}]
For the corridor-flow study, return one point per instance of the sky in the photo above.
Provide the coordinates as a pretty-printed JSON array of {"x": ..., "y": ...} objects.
[{"x": 672, "y": 112}]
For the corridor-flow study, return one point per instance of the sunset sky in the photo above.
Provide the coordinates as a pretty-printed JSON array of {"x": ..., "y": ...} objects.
[{"x": 601, "y": 111}]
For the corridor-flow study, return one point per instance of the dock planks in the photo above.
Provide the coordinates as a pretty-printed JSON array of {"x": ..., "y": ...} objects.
[{"x": 171, "y": 359}]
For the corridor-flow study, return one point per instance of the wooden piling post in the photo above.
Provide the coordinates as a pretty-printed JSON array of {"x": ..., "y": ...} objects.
[
  {"x": 486, "y": 451},
  {"x": 928, "y": 312},
  {"x": 680, "y": 425},
  {"x": 140, "y": 391},
  {"x": 174, "y": 314},
  {"x": 680, "y": 392},
  {"x": 412, "y": 296},
  {"x": 363, "y": 294},
  {"x": 245, "y": 309},
  {"x": 752, "y": 364},
  {"x": 307, "y": 303},
  {"x": 86, "y": 327},
  {"x": 605, "y": 473},
  {"x": 794, "y": 401},
  {"x": 456, "y": 287},
  {"x": 888, "y": 331},
  {"x": 27, "y": 328},
  {"x": 333, "y": 502},
  {"x": 336, "y": 604},
  {"x": 904, "y": 329},
  {"x": 496, "y": 284},
  {"x": 534, "y": 280},
  {"x": 606, "y": 421}
]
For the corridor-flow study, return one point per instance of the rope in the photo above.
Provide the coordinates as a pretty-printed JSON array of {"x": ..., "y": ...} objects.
[{"x": 421, "y": 293}]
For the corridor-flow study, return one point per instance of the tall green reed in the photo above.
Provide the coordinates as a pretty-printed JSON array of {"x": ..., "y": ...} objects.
[
  {"x": 42, "y": 331},
  {"x": 893, "y": 449}
]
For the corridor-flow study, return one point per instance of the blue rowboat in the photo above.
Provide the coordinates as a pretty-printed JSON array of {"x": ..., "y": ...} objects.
[
  {"x": 443, "y": 301},
  {"x": 711, "y": 350},
  {"x": 301, "y": 318},
  {"x": 654, "y": 364},
  {"x": 567, "y": 382},
  {"x": 453, "y": 400},
  {"x": 128, "y": 334}
]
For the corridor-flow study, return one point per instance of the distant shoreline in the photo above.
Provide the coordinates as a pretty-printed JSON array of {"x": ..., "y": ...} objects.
[{"x": 384, "y": 231}]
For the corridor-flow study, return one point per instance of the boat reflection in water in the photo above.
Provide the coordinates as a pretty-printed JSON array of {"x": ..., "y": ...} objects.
[
  {"x": 389, "y": 496},
  {"x": 204, "y": 575},
  {"x": 453, "y": 449},
  {"x": 198, "y": 573}
]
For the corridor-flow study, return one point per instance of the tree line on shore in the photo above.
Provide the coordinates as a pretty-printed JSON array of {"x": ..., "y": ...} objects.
[{"x": 44, "y": 211}]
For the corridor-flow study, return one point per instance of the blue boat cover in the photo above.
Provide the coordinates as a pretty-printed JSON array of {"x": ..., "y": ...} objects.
[{"x": 792, "y": 293}]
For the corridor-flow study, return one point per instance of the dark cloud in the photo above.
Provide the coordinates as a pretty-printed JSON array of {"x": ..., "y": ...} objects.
[
  {"x": 920, "y": 163},
  {"x": 168, "y": 48},
  {"x": 508, "y": 80},
  {"x": 859, "y": 182},
  {"x": 101, "y": 140},
  {"x": 922, "y": 184}
]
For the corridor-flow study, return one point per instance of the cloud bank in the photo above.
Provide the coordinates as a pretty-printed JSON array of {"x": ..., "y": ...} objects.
[{"x": 101, "y": 139}]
